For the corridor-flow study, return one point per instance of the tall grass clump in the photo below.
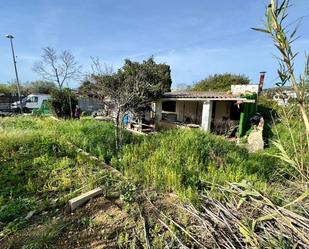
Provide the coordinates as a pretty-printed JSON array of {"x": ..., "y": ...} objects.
[
  {"x": 23, "y": 123},
  {"x": 185, "y": 161},
  {"x": 95, "y": 137},
  {"x": 291, "y": 145}
]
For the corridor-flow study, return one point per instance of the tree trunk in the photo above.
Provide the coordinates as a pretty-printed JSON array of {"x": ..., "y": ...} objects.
[{"x": 70, "y": 104}]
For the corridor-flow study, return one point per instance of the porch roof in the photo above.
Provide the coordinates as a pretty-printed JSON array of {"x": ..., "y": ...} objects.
[{"x": 202, "y": 96}]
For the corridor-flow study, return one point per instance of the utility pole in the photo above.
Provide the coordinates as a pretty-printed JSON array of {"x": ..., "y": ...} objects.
[{"x": 9, "y": 36}]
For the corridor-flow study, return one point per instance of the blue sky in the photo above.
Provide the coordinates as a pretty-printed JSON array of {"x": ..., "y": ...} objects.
[{"x": 196, "y": 38}]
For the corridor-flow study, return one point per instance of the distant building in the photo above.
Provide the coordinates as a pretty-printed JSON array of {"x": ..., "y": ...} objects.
[
  {"x": 88, "y": 101},
  {"x": 283, "y": 97},
  {"x": 89, "y": 104}
]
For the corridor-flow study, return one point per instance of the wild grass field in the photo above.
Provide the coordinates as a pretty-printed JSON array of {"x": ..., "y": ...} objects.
[{"x": 209, "y": 181}]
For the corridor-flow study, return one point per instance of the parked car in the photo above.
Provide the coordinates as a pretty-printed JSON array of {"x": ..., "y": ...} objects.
[{"x": 31, "y": 102}]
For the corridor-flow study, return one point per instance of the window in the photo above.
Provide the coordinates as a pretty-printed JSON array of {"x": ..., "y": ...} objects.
[
  {"x": 169, "y": 106},
  {"x": 33, "y": 99}
]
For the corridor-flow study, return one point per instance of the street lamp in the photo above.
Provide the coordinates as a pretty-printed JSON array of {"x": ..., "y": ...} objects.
[{"x": 9, "y": 36}]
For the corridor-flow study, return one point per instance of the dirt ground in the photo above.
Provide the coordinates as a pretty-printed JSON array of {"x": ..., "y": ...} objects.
[
  {"x": 101, "y": 223},
  {"x": 96, "y": 225}
]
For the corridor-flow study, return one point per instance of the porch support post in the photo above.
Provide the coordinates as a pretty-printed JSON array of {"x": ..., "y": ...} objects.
[
  {"x": 206, "y": 115},
  {"x": 158, "y": 114}
]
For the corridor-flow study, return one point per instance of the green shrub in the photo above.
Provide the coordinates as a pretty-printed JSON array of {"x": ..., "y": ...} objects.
[
  {"x": 14, "y": 208},
  {"x": 97, "y": 138},
  {"x": 59, "y": 103}
]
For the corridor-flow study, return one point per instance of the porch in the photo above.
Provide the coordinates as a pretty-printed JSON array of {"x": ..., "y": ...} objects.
[{"x": 221, "y": 114}]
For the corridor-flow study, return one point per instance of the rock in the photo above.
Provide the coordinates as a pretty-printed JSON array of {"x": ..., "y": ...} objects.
[{"x": 255, "y": 139}]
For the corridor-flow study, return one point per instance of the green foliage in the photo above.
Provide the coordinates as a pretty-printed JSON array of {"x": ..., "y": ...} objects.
[
  {"x": 183, "y": 161},
  {"x": 88, "y": 88},
  {"x": 268, "y": 108},
  {"x": 12, "y": 88},
  {"x": 59, "y": 102},
  {"x": 87, "y": 222},
  {"x": 14, "y": 208},
  {"x": 220, "y": 82},
  {"x": 4, "y": 88},
  {"x": 291, "y": 146},
  {"x": 95, "y": 138},
  {"x": 132, "y": 88},
  {"x": 135, "y": 84},
  {"x": 128, "y": 193},
  {"x": 158, "y": 75},
  {"x": 41, "y": 86},
  {"x": 37, "y": 166}
]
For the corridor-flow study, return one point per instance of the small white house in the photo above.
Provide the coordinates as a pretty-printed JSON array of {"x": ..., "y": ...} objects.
[{"x": 206, "y": 110}]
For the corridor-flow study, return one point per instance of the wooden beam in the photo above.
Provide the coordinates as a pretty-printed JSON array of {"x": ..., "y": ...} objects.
[{"x": 83, "y": 198}]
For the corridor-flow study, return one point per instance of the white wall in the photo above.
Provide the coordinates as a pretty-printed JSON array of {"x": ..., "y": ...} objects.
[{"x": 244, "y": 89}]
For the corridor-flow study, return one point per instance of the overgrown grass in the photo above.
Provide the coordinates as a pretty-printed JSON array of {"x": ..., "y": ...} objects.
[
  {"x": 186, "y": 161},
  {"x": 37, "y": 168},
  {"x": 97, "y": 138}
]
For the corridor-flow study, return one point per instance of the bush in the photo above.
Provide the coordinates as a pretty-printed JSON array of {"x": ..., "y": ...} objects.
[
  {"x": 41, "y": 86},
  {"x": 59, "y": 103},
  {"x": 220, "y": 82}
]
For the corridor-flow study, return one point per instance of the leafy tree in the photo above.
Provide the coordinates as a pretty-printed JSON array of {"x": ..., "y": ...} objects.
[
  {"x": 41, "y": 86},
  {"x": 86, "y": 86},
  {"x": 133, "y": 87},
  {"x": 12, "y": 87},
  {"x": 4, "y": 88},
  {"x": 57, "y": 68},
  {"x": 220, "y": 82},
  {"x": 61, "y": 102}
]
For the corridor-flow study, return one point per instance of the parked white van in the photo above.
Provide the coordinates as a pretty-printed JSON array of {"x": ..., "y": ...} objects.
[{"x": 31, "y": 102}]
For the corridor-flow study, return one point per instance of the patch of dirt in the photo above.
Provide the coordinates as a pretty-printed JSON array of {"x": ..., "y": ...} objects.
[
  {"x": 96, "y": 225},
  {"x": 161, "y": 219}
]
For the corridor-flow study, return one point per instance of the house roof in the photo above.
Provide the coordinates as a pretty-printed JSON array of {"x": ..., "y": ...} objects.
[
  {"x": 192, "y": 94},
  {"x": 200, "y": 96}
]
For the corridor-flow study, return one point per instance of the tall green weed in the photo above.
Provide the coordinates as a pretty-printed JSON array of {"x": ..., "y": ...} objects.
[{"x": 183, "y": 160}]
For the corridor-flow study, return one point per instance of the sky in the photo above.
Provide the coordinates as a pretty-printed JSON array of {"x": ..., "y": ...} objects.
[{"x": 197, "y": 38}]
